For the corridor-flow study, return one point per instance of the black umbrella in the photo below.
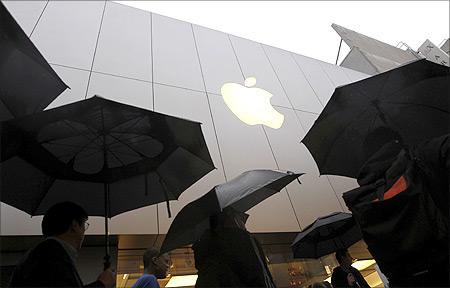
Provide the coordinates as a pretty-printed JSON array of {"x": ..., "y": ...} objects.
[
  {"x": 106, "y": 156},
  {"x": 28, "y": 83},
  {"x": 412, "y": 101},
  {"x": 240, "y": 193},
  {"x": 326, "y": 235}
]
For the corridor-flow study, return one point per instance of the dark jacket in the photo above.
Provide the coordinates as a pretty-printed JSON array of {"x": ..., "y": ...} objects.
[
  {"x": 402, "y": 210},
  {"x": 230, "y": 257},
  {"x": 47, "y": 265},
  {"x": 339, "y": 278}
]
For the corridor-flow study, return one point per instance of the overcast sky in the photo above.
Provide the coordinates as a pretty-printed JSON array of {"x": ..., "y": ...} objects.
[{"x": 304, "y": 27}]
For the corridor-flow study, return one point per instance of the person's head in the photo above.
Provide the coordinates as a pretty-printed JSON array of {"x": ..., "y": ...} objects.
[
  {"x": 379, "y": 137},
  {"x": 66, "y": 220},
  {"x": 156, "y": 264},
  {"x": 229, "y": 218},
  {"x": 343, "y": 258}
]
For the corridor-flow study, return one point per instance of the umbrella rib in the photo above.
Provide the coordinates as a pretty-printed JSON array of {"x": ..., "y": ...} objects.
[
  {"x": 76, "y": 130},
  {"x": 79, "y": 158},
  {"x": 415, "y": 104},
  {"x": 126, "y": 144},
  {"x": 115, "y": 156},
  {"x": 79, "y": 133},
  {"x": 7, "y": 107},
  {"x": 373, "y": 123},
  {"x": 82, "y": 148},
  {"x": 137, "y": 120},
  {"x": 63, "y": 144},
  {"x": 136, "y": 136},
  {"x": 386, "y": 96},
  {"x": 126, "y": 139},
  {"x": 42, "y": 197}
]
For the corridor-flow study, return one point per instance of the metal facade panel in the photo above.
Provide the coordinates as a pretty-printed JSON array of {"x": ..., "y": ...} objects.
[
  {"x": 237, "y": 141},
  {"x": 292, "y": 79},
  {"x": 16, "y": 222},
  {"x": 124, "y": 44},
  {"x": 341, "y": 185},
  {"x": 254, "y": 63},
  {"x": 245, "y": 147},
  {"x": 26, "y": 13},
  {"x": 127, "y": 91},
  {"x": 175, "y": 60},
  {"x": 194, "y": 106},
  {"x": 336, "y": 74},
  {"x": 306, "y": 119},
  {"x": 76, "y": 79},
  {"x": 139, "y": 221},
  {"x": 67, "y": 32},
  {"x": 354, "y": 75},
  {"x": 217, "y": 58},
  {"x": 321, "y": 84}
]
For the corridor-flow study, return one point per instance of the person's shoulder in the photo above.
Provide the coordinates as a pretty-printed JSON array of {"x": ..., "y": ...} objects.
[
  {"x": 147, "y": 281},
  {"x": 149, "y": 277},
  {"x": 47, "y": 245}
]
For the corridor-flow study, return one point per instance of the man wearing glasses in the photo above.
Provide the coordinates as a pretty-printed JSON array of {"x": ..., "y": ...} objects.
[
  {"x": 345, "y": 275},
  {"x": 52, "y": 262}
]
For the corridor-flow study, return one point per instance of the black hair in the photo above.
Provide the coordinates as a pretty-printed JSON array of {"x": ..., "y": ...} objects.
[
  {"x": 59, "y": 217},
  {"x": 340, "y": 254},
  {"x": 149, "y": 254}
]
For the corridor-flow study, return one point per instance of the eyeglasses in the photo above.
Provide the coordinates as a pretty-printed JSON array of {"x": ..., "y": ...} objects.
[{"x": 86, "y": 226}]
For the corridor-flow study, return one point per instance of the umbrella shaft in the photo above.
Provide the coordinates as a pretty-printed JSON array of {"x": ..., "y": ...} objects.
[{"x": 106, "y": 189}]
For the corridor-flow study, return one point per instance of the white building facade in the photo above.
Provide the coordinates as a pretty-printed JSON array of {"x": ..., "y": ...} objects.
[{"x": 178, "y": 68}]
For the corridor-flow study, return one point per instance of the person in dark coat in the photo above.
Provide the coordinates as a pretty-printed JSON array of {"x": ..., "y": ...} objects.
[
  {"x": 345, "y": 275},
  {"x": 227, "y": 255},
  {"x": 52, "y": 262},
  {"x": 402, "y": 210}
]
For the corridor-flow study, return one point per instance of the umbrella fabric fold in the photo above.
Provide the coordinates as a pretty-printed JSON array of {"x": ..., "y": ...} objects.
[
  {"x": 241, "y": 193},
  {"x": 411, "y": 102},
  {"x": 326, "y": 235},
  {"x": 29, "y": 84}
]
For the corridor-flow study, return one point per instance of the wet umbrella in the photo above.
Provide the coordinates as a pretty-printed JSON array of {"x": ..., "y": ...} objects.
[
  {"x": 106, "y": 156},
  {"x": 411, "y": 100},
  {"x": 326, "y": 235},
  {"x": 28, "y": 83},
  {"x": 240, "y": 193}
]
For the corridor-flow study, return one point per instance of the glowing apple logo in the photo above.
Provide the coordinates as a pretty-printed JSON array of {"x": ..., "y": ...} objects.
[{"x": 251, "y": 105}]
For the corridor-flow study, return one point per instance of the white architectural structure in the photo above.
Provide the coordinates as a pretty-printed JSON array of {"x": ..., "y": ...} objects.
[{"x": 155, "y": 62}]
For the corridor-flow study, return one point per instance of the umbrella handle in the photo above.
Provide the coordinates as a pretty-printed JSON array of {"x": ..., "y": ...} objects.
[
  {"x": 168, "y": 209},
  {"x": 163, "y": 184},
  {"x": 107, "y": 263}
]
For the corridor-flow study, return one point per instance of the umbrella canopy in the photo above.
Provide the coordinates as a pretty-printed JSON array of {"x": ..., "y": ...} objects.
[
  {"x": 241, "y": 193},
  {"x": 412, "y": 101},
  {"x": 326, "y": 235},
  {"x": 106, "y": 156},
  {"x": 28, "y": 83}
]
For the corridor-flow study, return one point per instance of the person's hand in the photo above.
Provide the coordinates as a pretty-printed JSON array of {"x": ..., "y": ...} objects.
[{"x": 108, "y": 278}]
